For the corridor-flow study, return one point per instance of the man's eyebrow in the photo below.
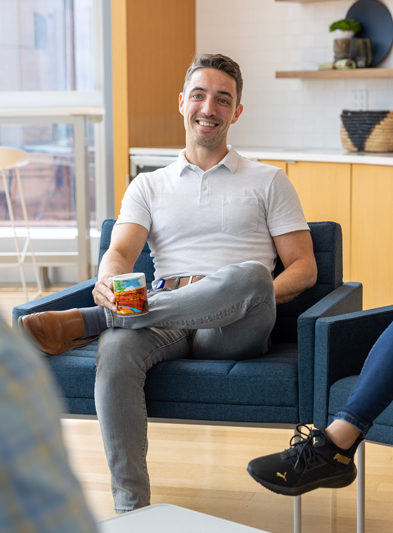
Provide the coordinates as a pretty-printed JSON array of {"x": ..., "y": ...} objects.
[
  {"x": 226, "y": 93},
  {"x": 198, "y": 89}
]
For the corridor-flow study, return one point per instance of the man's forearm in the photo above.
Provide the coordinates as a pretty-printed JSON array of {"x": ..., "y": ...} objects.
[
  {"x": 295, "y": 279},
  {"x": 127, "y": 241},
  {"x": 114, "y": 264}
]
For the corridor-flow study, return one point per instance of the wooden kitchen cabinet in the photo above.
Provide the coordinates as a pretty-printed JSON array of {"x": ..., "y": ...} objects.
[
  {"x": 372, "y": 233},
  {"x": 324, "y": 190},
  {"x": 275, "y": 163}
]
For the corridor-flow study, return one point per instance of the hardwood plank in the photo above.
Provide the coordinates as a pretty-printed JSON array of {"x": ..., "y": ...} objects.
[{"x": 11, "y": 295}]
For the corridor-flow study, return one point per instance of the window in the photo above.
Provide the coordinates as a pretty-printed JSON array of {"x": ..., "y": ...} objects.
[
  {"x": 46, "y": 45},
  {"x": 48, "y": 181},
  {"x": 48, "y": 58}
]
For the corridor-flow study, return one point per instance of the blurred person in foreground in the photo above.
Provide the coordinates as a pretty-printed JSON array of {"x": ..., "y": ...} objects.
[{"x": 39, "y": 493}]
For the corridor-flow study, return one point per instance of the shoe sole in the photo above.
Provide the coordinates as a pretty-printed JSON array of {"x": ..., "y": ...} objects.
[
  {"x": 335, "y": 482},
  {"x": 20, "y": 324}
]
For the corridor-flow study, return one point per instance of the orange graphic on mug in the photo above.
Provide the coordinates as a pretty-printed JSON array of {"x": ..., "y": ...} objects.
[{"x": 130, "y": 294}]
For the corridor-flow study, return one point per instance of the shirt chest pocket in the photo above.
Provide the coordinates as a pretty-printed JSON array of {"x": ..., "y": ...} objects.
[{"x": 239, "y": 215}]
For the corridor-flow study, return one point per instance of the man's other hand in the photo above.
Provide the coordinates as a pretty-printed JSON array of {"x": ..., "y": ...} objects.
[
  {"x": 127, "y": 241},
  {"x": 103, "y": 292}
]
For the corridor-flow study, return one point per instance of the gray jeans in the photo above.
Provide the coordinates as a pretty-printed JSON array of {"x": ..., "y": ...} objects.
[{"x": 228, "y": 315}]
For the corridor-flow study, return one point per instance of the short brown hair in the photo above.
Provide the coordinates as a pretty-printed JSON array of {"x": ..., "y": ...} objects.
[{"x": 218, "y": 62}]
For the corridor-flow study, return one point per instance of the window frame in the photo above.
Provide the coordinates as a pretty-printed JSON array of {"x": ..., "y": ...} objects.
[{"x": 14, "y": 100}]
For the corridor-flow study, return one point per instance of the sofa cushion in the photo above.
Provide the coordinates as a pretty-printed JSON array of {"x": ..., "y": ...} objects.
[
  {"x": 271, "y": 381},
  {"x": 382, "y": 429}
]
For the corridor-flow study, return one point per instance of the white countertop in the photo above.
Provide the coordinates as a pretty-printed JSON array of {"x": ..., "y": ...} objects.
[
  {"x": 290, "y": 155},
  {"x": 12, "y": 112}
]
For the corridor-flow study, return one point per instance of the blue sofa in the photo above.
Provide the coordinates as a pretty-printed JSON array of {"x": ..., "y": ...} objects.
[
  {"x": 342, "y": 346},
  {"x": 277, "y": 388}
]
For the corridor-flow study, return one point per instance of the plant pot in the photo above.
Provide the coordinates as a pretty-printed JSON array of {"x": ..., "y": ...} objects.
[
  {"x": 341, "y": 44},
  {"x": 341, "y": 34}
]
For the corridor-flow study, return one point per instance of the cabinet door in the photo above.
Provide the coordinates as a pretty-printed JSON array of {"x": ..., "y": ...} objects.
[
  {"x": 275, "y": 163},
  {"x": 324, "y": 190},
  {"x": 372, "y": 233}
]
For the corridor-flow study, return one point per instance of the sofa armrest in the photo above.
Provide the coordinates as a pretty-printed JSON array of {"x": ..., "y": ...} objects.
[
  {"x": 342, "y": 344},
  {"x": 345, "y": 299},
  {"x": 79, "y": 295}
]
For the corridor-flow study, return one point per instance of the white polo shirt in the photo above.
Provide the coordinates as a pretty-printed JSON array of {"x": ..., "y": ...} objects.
[{"x": 201, "y": 221}]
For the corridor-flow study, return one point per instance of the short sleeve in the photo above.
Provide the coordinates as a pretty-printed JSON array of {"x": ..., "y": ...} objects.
[
  {"x": 135, "y": 206},
  {"x": 284, "y": 211}
]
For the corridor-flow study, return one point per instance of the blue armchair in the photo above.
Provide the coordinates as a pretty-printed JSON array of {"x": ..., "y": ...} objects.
[
  {"x": 277, "y": 388},
  {"x": 342, "y": 344}
]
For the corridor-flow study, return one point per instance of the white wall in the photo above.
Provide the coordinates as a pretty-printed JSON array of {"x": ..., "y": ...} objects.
[{"x": 264, "y": 36}]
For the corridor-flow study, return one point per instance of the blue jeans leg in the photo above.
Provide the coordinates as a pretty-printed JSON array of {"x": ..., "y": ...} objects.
[
  {"x": 235, "y": 305},
  {"x": 374, "y": 389},
  {"x": 228, "y": 315},
  {"x": 124, "y": 356}
]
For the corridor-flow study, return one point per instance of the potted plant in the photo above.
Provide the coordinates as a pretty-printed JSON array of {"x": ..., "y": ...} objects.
[{"x": 345, "y": 29}]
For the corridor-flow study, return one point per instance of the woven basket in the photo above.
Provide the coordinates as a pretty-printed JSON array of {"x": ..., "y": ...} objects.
[{"x": 369, "y": 131}]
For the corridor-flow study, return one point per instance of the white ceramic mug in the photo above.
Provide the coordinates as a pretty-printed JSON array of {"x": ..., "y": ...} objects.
[{"x": 130, "y": 294}]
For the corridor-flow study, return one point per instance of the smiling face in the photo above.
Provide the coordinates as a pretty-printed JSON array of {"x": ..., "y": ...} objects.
[{"x": 209, "y": 108}]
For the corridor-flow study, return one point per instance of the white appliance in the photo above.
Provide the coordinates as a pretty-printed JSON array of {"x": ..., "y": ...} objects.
[{"x": 150, "y": 159}]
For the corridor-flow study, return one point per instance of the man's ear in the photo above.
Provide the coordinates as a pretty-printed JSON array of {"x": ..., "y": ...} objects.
[
  {"x": 237, "y": 114},
  {"x": 181, "y": 103}
]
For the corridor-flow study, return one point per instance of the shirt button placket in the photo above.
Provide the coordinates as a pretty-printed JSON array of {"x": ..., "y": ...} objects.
[{"x": 204, "y": 188}]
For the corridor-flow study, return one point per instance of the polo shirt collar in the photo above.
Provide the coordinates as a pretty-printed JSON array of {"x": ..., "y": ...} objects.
[{"x": 230, "y": 161}]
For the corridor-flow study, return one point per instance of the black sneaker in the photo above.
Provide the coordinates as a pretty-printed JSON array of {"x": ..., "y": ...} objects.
[{"x": 309, "y": 464}]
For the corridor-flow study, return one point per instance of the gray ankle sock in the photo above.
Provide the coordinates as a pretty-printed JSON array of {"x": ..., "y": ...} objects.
[{"x": 94, "y": 320}]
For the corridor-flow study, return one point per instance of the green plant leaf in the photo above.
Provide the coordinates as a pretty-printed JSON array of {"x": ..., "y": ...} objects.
[{"x": 346, "y": 25}]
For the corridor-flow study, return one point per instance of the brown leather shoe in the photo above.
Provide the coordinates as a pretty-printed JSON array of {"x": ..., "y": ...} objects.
[{"x": 55, "y": 332}]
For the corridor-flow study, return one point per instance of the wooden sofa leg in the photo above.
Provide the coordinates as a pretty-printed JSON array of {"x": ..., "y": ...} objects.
[{"x": 361, "y": 496}]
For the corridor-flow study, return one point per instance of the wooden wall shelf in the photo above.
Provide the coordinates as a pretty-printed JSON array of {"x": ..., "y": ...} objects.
[
  {"x": 336, "y": 73},
  {"x": 301, "y": 1}
]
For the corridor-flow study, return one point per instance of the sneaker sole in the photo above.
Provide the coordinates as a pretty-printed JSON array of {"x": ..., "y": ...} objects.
[{"x": 336, "y": 482}]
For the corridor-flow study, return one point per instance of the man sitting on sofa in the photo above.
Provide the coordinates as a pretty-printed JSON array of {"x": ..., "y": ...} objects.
[{"x": 214, "y": 218}]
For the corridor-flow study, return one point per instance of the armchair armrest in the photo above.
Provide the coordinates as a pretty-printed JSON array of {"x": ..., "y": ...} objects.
[
  {"x": 345, "y": 299},
  {"x": 342, "y": 344},
  {"x": 79, "y": 295}
]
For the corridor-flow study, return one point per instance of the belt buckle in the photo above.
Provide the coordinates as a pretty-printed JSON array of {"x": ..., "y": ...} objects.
[{"x": 160, "y": 284}]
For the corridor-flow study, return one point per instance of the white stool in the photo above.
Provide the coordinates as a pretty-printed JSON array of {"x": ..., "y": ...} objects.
[{"x": 12, "y": 159}]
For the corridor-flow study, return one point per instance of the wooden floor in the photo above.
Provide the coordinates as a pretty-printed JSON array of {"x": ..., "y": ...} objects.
[{"x": 204, "y": 468}]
